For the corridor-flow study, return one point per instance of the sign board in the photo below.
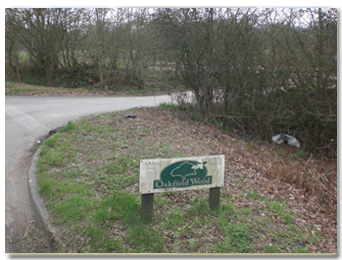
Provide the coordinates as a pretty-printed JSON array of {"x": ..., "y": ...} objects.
[{"x": 175, "y": 174}]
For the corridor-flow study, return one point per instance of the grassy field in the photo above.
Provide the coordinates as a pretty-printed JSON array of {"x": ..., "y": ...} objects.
[{"x": 88, "y": 175}]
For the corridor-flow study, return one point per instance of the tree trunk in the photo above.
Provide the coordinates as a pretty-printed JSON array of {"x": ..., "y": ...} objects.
[
  {"x": 17, "y": 66},
  {"x": 101, "y": 74}
]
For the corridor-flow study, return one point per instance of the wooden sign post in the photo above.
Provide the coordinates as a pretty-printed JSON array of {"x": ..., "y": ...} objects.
[
  {"x": 147, "y": 207},
  {"x": 175, "y": 174},
  {"x": 214, "y": 198}
]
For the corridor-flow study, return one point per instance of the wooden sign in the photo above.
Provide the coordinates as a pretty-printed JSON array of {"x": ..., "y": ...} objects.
[
  {"x": 175, "y": 174},
  {"x": 161, "y": 175}
]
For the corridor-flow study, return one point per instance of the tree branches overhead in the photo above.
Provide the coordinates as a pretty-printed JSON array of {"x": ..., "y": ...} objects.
[{"x": 260, "y": 71}]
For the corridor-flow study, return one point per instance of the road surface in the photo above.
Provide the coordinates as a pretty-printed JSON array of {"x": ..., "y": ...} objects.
[{"x": 27, "y": 120}]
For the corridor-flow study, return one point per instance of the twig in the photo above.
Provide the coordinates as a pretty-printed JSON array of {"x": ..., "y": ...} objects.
[{"x": 26, "y": 232}]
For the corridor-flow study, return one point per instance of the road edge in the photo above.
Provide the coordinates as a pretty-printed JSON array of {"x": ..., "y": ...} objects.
[{"x": 38, "y": 204}]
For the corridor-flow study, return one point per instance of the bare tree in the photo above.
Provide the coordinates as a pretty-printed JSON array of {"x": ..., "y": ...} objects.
[
  {"x": 48, "y": 35},
  {"x": 259, "y": 71},
  {"x": 138, "y": 42},
  {"x": 12, "y": 35}
]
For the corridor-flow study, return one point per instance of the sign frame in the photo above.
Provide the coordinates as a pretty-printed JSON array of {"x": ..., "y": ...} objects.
[{"x": 178, "y": 174}]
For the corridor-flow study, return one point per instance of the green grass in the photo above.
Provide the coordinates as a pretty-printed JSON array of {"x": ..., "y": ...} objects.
[
  {"x": 270, "y": 249},
  {"x": 169, "y": 106},
  {"x": 238, "y": 239},
  {"x": 177, "y": 218},
  {"x": 27, "y": 89},
  {"x": 300, "y": 153},
  {"x": 18, "y": 90},
  {"x": 91, "y": 193},
  {"x": 73, "y": 208},
  {"x": 70, "y": 126}
]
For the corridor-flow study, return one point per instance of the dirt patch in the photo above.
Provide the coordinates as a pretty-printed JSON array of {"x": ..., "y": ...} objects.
[{"x": 34, "y": 240}]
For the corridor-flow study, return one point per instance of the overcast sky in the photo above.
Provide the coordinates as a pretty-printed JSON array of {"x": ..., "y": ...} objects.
[{"x": 172, "y": 3}]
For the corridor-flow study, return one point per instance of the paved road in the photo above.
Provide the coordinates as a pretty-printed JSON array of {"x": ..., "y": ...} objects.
[{"x": 28, "y": 119}]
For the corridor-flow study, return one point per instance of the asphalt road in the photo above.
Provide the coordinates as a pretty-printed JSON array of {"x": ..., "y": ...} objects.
[{"x": 27, "y": 120}]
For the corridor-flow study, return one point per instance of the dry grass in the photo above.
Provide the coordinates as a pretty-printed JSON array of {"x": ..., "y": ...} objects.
[{"x": 315, "y": 178}]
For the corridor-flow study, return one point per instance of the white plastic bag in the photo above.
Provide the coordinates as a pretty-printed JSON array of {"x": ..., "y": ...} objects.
[{"x": 284, "y": 138}]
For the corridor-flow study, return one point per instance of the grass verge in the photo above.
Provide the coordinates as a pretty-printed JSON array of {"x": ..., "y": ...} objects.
[
  {"x": 88, "y": 175},
  {"x": 23, "y": 89}
]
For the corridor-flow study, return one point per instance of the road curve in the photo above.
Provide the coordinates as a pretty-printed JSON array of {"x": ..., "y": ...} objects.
[{"x": 27, "y": 120}]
